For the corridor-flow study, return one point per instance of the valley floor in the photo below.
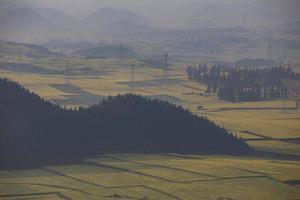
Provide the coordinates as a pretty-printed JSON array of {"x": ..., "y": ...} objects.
[{"x": 271, "y": 127}]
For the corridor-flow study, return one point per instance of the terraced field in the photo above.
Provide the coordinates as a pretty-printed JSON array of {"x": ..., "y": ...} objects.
[
  {"x": 271, "y": 127},
  {"x": 167, "y": 176}
]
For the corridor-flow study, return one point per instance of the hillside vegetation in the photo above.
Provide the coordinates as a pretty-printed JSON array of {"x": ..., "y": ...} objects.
[
  {"x": 21, "y": 49},
  {"x": 35, "y": 132},
  {"x": 107, "y": 52}
]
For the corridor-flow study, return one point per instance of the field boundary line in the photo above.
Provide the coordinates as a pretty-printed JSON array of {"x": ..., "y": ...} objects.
[
  {"x": 49, "y": 185},
  {"x": 107, "y": 187},
  {"x": 130, "y": 171},
  {"x": 161, "y": 166},
  {"x": 29, "y": 194},
  {"x": 73, "y": 178},
  {"x": 162, "y": 192},
  {"x": 172, "y": 181}
]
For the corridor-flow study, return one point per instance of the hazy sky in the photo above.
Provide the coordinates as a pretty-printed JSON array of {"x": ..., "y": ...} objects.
[{"x": 163, "y": 12}]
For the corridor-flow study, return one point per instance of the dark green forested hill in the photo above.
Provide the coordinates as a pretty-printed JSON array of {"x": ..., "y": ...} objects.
[{"x": 34, "y": 132}]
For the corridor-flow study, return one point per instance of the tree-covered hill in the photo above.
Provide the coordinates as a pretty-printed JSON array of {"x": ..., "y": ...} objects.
[
  {"x": 107, "y": 52},
  {"x": 34, "y": 132},
  {"x": 8, "y": 49}
]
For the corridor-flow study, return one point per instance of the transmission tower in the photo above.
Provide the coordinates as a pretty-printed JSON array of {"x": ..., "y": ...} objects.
[
  {"x": 283, "y": 56},
  {"x": 165, "y": 65},
  {"x": 244, "y": 18},
  {"x": 212, "y": 57},
  {"x": 270, "y": 48},
  {"x": 120, "y": 51},
  {"x": 67, "y": 72},
  {"x": 132, "y": 76},
  {"x": 283, "y": 101},
  {"x": 20, "y": 58},
  {"x": 283, "y": 105},
  {"x": 211, "y": 43}
]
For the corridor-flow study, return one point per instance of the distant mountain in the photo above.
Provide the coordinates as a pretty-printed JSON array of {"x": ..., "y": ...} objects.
[
  {"x": 28, "y": 24},
  {"x": 25, "y": 23},
  {"x": 292, "y": 27},
  {"x": 196, "y": 23},
  {"x": 109, "y": 15},
  {"x": 35, "y": 132},
  {"x": 125, "y": 29},
  {"x": 13, "y": 6},
  {"x": 107, "y": 52}
]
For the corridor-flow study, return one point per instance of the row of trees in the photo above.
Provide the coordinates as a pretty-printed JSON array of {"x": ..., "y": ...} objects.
[
  {"x": 243, "y": 83},
  {"x": 34, "y": 131}
]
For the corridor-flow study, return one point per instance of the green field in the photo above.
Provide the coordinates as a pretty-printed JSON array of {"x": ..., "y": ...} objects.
[
  {"x": 271, "y": 127},
  {"x": 167, "y": 176}
]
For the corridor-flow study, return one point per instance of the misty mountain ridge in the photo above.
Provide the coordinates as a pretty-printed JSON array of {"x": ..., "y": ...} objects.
[
  {"x": 41, "y": 25},
  {"x": 24, "y": 15},
  {"x": 25, "y": 22},
  {"x": 108, "y": 15},
  {"x": 60, "y": 19},
  {"x": 125, "y": 29}
]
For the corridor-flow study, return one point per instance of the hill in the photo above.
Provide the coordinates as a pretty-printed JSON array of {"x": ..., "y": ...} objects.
[
  {"x": 60, "y": 19},
  {"x": 107, "y": 52},
  {"x": 28, "y": 68},
  {"x": 35, "y": 132},
  {"x": 110, "y": 15},
  {"x": 28, "y": 50}
]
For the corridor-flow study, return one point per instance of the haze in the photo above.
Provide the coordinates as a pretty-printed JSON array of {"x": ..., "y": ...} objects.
[
  {"x": 150, "y": 99},
  {"x": 182, "y": 13}
]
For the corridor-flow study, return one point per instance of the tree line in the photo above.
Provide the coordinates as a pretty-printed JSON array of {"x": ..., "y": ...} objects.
[
  {"x": 244, "y": 83},
  {"x": 36, "y": 132}
]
